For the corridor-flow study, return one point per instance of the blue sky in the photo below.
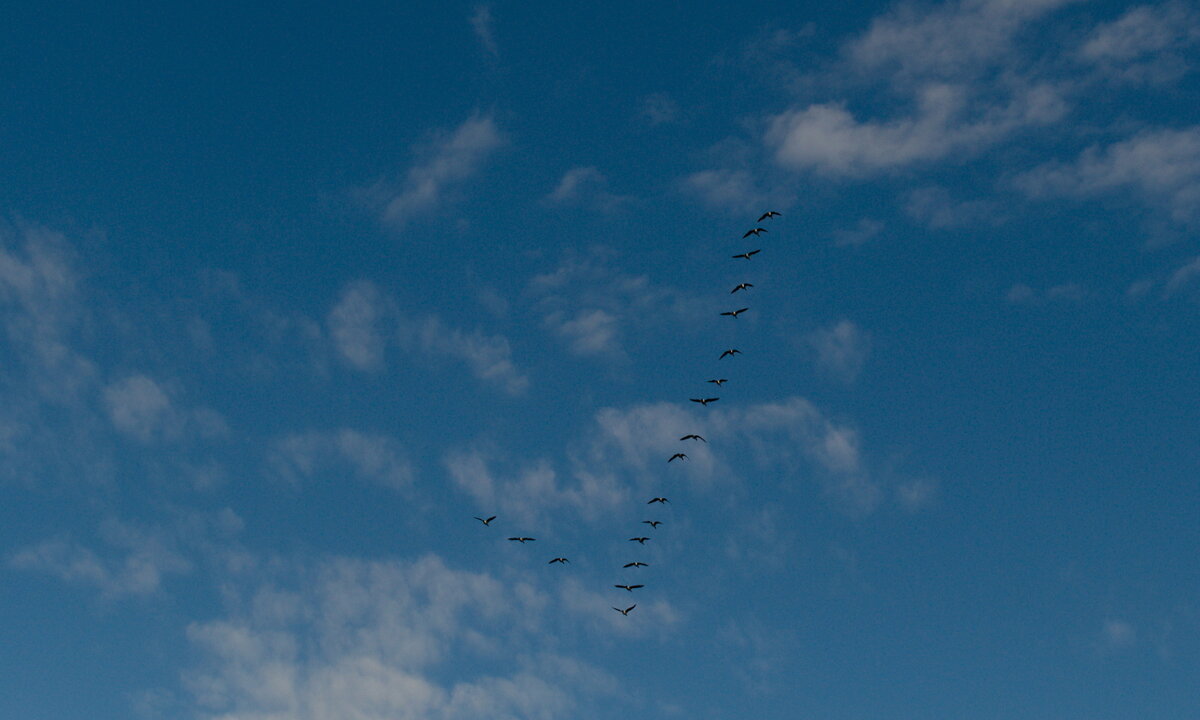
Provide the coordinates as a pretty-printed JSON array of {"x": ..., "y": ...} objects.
[{"x": 287, "y": 298}]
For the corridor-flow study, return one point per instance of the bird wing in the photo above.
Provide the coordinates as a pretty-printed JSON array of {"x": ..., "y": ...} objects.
[
  {"x": 630, "y": 608},
  {"x": 634, "y": 587}
]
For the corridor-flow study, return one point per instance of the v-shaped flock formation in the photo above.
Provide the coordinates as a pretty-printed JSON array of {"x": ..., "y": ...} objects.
[{"x": 717, "y": 382}]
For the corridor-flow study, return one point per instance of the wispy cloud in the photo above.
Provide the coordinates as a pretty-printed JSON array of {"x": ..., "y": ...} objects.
[
  {"x": 483, "y": 25},
  {"x": 730, "y": 190},
  {"x": 1022, "y": 294},
  {"x": 355, "y": 325},
  {"x": 586, "y": 185},
  {"x": 445, "y": 164},
  {"x": 659, "y": 109},
  {"x": 841, "y": 349},
  {"x": 1161, "y": 165},
  {"x": 372, "y": 458},
  {"x": 1147, "y": 43}
]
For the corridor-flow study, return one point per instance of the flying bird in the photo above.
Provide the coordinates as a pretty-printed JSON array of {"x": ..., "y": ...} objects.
[
  {"x": 677, "y": 456},
  {"x": 741, "y": 286},
  {"x": 719, "y": 381},
  {"x": 630, "y": 588},
  {"x": 561, "y": 561},
  {"x": 636, "y": 564},
  {"x": 522, "y": 540},
  {"x": 768, "y": 215},
  {"x": 657, "y": 500},
  {"x": 639, "y": 540},
  {"x": 486, "y": 522},
  {"x": 626, "y": 610},
  {"x": 704, "y": 401},
  {"x": 734, "y": 313},
  {"x": 747, "y": 254},
  {"x": 755, "y": 232},
  {"x": 652, "y": 523},
  {"x": 730, "y": 352},
  {"x": 693, "y": 437}
]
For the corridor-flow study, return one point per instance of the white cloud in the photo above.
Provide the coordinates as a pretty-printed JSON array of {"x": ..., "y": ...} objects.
[
  {"x": 729, "y": 190},
  {"x": 354, "y": 325},
  {"x": 841, "y": 349},
  {"x": 1182, "y": 276},
  {"x": 1163, "y": 166},
  {"x": 917, "y": 494},
  {"x": 482, "y": 23},
  {"x": 659, "y": 109},
  {"x": 935, "y": 207},
  {"x": 373, "y": 641},
  {"x": 586, "y": 185},
  {"x": 142, "y": 561},
  {"x": 140, "y": 407},
  {"x": 828, "y": 139},
  {"x": 371, "y": 458},
  {"x": 448, "y": 162},
  {"x": 1147, "y": 43},
  {"x": 863, "y": 232},
  {"x": 489, "y": 357}
]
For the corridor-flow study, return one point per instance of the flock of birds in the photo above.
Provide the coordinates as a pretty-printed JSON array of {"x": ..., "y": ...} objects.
[{"x": 690, "y": 437}]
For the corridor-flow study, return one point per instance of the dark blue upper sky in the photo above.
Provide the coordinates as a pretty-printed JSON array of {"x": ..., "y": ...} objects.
[{"x": 288, "y": 295}]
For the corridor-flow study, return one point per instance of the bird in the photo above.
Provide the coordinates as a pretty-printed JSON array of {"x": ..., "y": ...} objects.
[
  {"x": 677, "y": 456},
  {"x": 755, "y": 232},
  {"x": 652, "y": 523},
  {"x": 657, "y": 500},
  {"x": 630, "y": 588},
  {"x": 522, "y": 540},
  {"x": 734, "y": 313},
  {"x": 636, "y": 564},
  {"x": 486, "y": 522},
  {"x": 704, "y": 401},
  {"x": 561, "y": 561},
  {"x": 719, "y": 381},
  {"x": 639, "y": 540},
  {"x": 730, "y": 352},
  {"x": 741, "y": 286},
  {"x": 693, "y": 437},
  {"x": 625, "y": 612},
  {"x": 768, "y": 215},
  {"x": 747, "y": 254}
]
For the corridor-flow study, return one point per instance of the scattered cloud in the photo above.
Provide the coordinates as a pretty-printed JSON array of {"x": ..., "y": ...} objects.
[
  {"x": 841, "y": 349},
  {"x": 916, "y": 495},
  {"x": 1147, "y": 43},
  {"x": 659, "y": 109},
  {"x": 483, "y": 25},
  {"x": 863, "y": 232},
  {"x": 585, "y": 185},
  {"x": 445, "y": 164},
  {"x": 1022, "y": 294},
  {"x": 371, "y": 458},
  {"x": 1182, "y": 277},
  {"x": 733, "y": 191},
  {"x": 1161, "y": 165},
  {"x": 1118, "y": 634},
  {"x": 489, "y": 357},
  {"x": 934, "y": 207},
  {"x": 355, "y": 326}
]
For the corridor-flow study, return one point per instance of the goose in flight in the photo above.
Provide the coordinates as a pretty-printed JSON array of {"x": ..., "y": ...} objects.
[
  {"x": 693, "y": 437},
  {"x": 486, "y": 522},
  {"x": 652, "y": 523},
  {"x": 626, "y": 610},
  {"x": 522, "y": 540},
  {"x": 559, "y": 560},
  {"x": 677, "y": 456},
  {"x": 747, "y": 254},
  {"x": 651, "y": 501},
  {"x": 755, "y": 232},
  {"x": 704, "y": 401},
  {"x": 630, "y": 588},
  {"x": 719, "y": 381},
  {"x": 639, "y": 540},
  {"x": 636, "y": 564},
  {"x": 734, "y": 313},
  {"x": 768, "y": 215},
  {"x": 730, "y": 352},
  {"x": 741, "y": 286}
]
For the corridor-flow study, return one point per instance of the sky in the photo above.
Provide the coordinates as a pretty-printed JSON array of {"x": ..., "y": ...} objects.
[{"x": 289, "y": 297}]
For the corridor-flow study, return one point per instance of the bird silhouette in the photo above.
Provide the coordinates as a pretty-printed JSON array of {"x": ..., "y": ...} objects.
[
  {"x": 522, "y": 540},
  {"x": 693, "y": 437},
  {"x": 652, "y": 523},
  {"x": 719, "y": 381},
  {"x": 756, "y": 232},
  {"x": 629, "y": 588},
  {"x": 625, "y": 612},
  {"x": 741, "y": 286},
  {"x": 677, "y": 456},
  {"x": 735, "y": 313},
  {"x": 768, "y": 215},
  {"x": 704, "y": 401},
  {"x": 651, "y": 501},
  {"x": 747, "y": 254},
  {"x": 636, "y": 565},
  {"x": 730, "y": 352},
  {"x": 560, "y": 560},
  {"x": 639, "y": 540},
  {"x": 486, "y": 522}
]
